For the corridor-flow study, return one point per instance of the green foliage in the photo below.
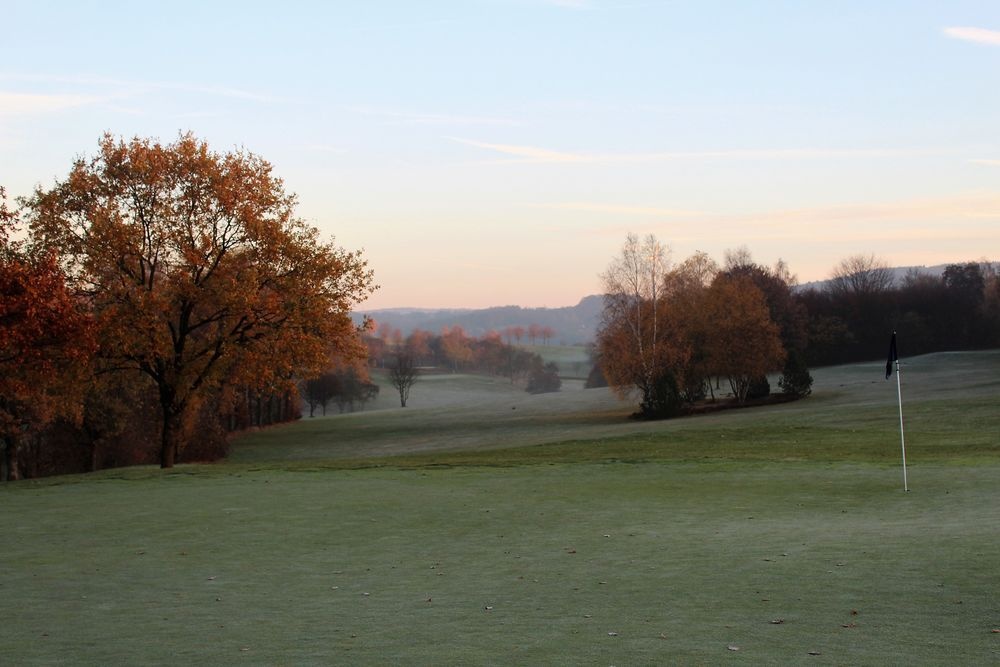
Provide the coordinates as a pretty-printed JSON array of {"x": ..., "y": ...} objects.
[
  {"x": 663, "y": 400},
  {"x": 759, "y": 388},
  {"x": 544, "y": 379},
  {"x": 795, "y": 379}
]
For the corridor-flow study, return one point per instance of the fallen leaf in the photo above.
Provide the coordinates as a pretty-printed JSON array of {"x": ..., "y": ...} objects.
[
  {"x": 854, "y": 612},
  {"x": 662, "y": 636},
  {"x": 849, "y": 625},
  {"x": 571, "y": 551}
]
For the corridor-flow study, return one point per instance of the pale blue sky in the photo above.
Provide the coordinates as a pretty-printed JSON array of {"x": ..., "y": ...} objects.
[{"x": 489, "y": 152}]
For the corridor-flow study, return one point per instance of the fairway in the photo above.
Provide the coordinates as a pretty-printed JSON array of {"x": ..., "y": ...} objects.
[{"x": 501, "y": 528}]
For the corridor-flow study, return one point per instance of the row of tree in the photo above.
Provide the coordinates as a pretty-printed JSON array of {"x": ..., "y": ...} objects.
[
  {"x": 392, "y": 337},
  {"x": 668, "y": 331},
  {"x": 162, "y": 284},
  {"x": 491, "y": 354},
  {"x": 849, "y": 318}
]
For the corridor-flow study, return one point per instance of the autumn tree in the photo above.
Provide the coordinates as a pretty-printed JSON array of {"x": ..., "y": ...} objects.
[
  {"x": 743, "y": 343},
  {"x": 547, "y": 333},
  {"x": 639, "y": 346},
  {"x": 198, "y": 271},
  {"x": 46, "y": 339},
  {"x": 456, "y": 346},
  {"x": 685, "y": 289}
]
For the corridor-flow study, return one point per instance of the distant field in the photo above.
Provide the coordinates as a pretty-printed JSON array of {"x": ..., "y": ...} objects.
[
  {"x": 573, "y": 360},
  {"x": 466, "y": 531},
  {"x": 950, "y": 407}
]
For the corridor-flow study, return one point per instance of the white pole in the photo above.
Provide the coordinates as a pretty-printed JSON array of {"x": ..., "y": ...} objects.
[{"x": 902, "y": 439}]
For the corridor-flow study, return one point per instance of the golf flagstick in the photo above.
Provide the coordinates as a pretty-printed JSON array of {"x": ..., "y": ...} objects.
[{"x": 894, "y": 357}]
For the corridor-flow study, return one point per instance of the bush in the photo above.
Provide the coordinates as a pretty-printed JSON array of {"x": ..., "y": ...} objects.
[
  {"x": 795, "y": 379},
  {"x": 759, "y": 388},
  {"x": 595, "y": 378},
  {"x": 663, "y": 401},
  {"x": 544, "y": 379}
]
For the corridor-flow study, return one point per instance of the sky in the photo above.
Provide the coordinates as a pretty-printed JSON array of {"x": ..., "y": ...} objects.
[{"x": 495, "y": 152}]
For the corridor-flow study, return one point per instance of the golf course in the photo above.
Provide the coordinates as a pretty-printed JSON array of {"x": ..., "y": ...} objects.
[{"x": 482, "y": 525}]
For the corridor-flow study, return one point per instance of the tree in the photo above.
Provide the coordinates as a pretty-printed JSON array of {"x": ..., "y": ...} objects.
[
  {"x": 403, "y": 375},
  {"x": 198, "y": 271},
  {"x": 547, "y": 334},
  {"x": 743, "y": 344},
  {"x": 544, "y": 378},
  {"x": 640, "y": 348},
  {"x": 456, "y": 346},
  {"x": 319, "y": 390},
  {"x": 46, "y": 340},
  {"x": 861, "y": 275}
]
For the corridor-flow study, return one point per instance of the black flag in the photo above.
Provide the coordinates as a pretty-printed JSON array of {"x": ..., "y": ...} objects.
[{"x": 892, "y": 356}]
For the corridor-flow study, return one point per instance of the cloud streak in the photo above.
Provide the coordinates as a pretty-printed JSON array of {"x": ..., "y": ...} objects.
[
  {"x": 411, "y": 118},
  {"x": 521, "y": 154},
  {"x": 139, "y": 86},
  {"x": 977, "y": 35},
  {"x": 927, "y": 219},
  {"x": 616, "y": 209},
  {"x": 16, "y": 104}
]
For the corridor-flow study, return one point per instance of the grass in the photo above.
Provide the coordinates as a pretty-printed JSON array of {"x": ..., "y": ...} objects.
[
  {"x": 949, "y": 408},
  {"x": 644, "y": 544}
]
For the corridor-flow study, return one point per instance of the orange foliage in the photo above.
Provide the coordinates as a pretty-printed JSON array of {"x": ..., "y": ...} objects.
[
  {"x": 743, "y": 342},
  {"x": 198, "y": 271},
  {"x": 46, "y": 340}
]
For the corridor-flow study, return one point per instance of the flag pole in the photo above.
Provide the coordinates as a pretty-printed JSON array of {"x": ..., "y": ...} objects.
[{"x": 902, "y": 438}]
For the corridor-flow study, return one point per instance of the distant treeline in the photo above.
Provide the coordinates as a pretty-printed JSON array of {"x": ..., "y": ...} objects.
[
  {"x": 494, "y": 353},
  {"x": 851, "y": 317}
]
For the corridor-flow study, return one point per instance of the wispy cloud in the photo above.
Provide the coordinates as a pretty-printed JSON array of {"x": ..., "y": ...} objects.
[
  {"x": 417, "y": 118},
  {"x": 134, "y": 86},
  {"x": 970, "y": 216},
  {"x": 987, "y": 162},
  {"x": 617, "y": 209},
  {"x": 569, "y": 4},
  {"x": 536, "y": 154},
  {"x": 526, "y": 153},
  {"x": 12, "y": 104},
  {"x": 978, "y": 35}
]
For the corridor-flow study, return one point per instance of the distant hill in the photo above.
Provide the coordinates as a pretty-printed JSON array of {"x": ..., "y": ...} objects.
[{"x": 572, "y": 324}]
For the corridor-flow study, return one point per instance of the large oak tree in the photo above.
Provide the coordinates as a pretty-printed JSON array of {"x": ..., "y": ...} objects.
[{"x": 198, "y": 271}]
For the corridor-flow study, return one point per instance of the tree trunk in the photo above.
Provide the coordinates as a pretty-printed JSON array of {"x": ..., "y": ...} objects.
[
  {"x": 168, "y": 441},
  {"x": 171, "y": 427},
  {"x": 8, "y": 461}
]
